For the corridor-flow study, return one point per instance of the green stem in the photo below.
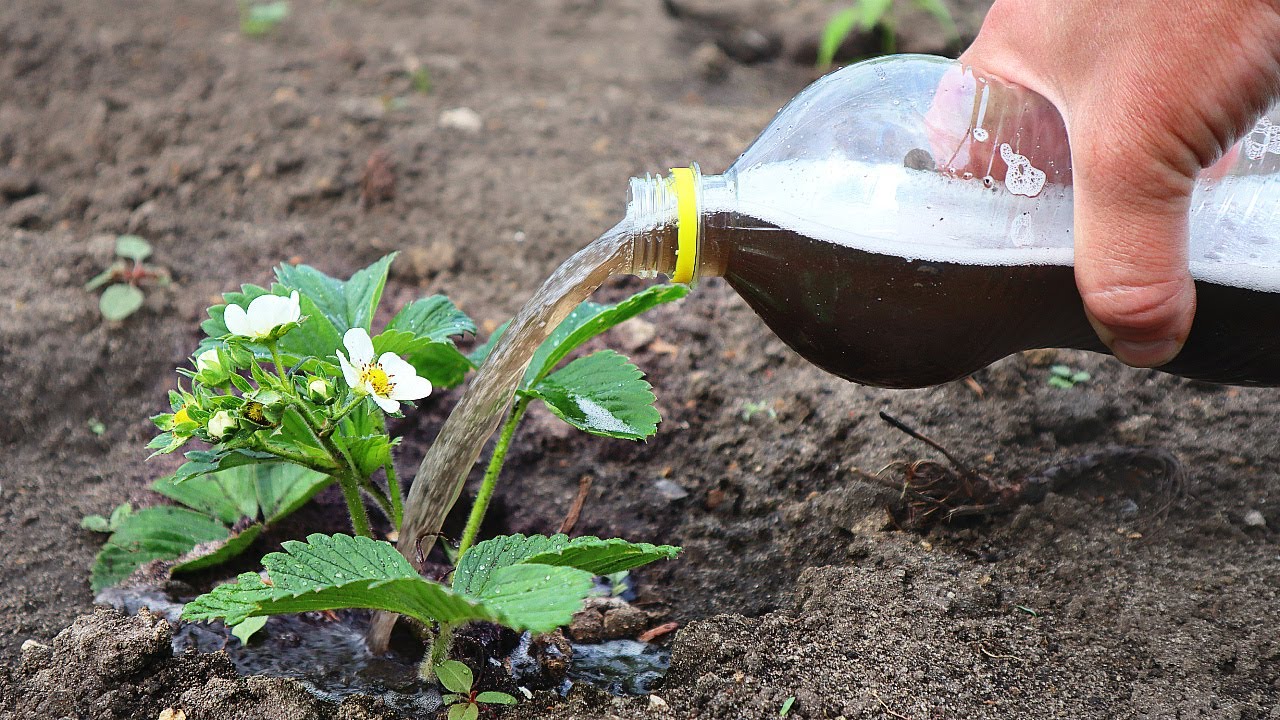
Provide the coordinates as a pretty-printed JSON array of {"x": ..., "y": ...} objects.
[
  {"x": 273, "y": 346},
  {"x": 348, "y": 476},
  {"x": 296, "y": 458},
  {"x": 481, "y": 505},
  {"x": 355, "y": 504},
  {"x": 393, "y": 488},
  {"x": 376, "y": 493},
  {"x": 439, "y": 650},
  {"x": 332, "y": 424}
]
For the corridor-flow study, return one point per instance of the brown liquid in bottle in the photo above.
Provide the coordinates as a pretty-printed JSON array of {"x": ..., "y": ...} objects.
[{"x": 884, "y": 320}]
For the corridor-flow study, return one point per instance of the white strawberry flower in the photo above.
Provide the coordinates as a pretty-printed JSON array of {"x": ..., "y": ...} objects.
[
  {"x": 265, "y": 314},
  {"x": 387, "y": 380}
]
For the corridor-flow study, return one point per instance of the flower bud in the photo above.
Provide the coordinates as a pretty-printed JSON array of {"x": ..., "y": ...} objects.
[
  {"x": 209, "y": 368},
  {"x": 320, "y": 391},
  {"x": 222, "y": 423}
]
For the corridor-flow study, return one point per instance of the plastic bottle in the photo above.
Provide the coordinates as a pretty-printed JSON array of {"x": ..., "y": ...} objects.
[{"x": 906, "y": 221}]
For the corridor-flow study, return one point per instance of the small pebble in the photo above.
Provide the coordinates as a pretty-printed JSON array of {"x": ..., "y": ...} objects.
[
  {"x": 669, "y": 490},
  {"x": 657, "y": 704},
  {"x": 1254, "y": 518},
  {"x": 29, "y": 644},
  {"x": 463, "y": 118}
]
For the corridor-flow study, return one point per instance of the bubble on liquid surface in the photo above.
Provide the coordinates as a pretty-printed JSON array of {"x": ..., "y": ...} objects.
[
  {"x": 1263, "y": 139},
  {"x": 980, "y": 134},
  {"x": 1021, "y": 178}
]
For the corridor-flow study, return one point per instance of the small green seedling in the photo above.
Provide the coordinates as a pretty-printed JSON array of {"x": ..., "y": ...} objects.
[
  {"x": 96, "y": 426},
  {"x": 786, "y": 706},
  {"x": 421, "y": 81},
  {"x": 1061, "y": 376},
  {"x": 259, "y": 18},
  {"x": 123, "y": 296},
  {"x": 463, "y": 701},
  {"x": 97, "y": 523},
  {"x": 868, "y": 15},
  {"x": 751, "y": 409}
]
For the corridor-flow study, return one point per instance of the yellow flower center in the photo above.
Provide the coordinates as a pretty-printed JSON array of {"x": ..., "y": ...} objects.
[
  {"x": 376, "y": 378},
  {"x": 181, "y": 417}
]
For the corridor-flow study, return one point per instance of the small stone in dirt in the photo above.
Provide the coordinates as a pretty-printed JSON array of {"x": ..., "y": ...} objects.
[
  {"x": 172, "y": 714},
  {"x": 463, "y": 118},
  {"x": 670, "y": 490},
  {"x": 712, "y": 63},
  {"x": 15, "y": 184},
  {"x": 635, "y": 334},
  {"x": 30, "y": 213},
  {"x": 657, "y": 704},
  {"x": 1254, "y": 518},
  {"x": 425, "y": 262},
  {"x": 1135, "y": 430},
  {"x": 378, "y": 183}
]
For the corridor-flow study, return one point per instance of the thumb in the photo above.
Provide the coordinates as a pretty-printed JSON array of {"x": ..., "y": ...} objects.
[{"x": 1131, "y": 223}]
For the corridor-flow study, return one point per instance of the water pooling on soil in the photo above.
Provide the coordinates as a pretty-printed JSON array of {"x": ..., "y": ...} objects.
[{"x": 328, "y": 655}]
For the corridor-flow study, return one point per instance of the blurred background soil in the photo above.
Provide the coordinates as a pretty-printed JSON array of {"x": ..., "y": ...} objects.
[{"x": 322, "y": 143}]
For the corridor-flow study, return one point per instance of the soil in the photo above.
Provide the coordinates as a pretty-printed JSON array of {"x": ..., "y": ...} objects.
[{"x": 232, "y": 154}]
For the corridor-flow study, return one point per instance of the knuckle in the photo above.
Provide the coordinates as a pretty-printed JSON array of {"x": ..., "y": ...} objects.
[{"x": 1138, "y": 307}]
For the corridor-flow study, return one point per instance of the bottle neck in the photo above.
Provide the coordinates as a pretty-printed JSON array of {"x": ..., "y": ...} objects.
[{"x": 667, "y": 219}]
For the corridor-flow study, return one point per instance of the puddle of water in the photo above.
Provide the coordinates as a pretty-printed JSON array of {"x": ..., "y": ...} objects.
[{"x": 330, "y": 657}]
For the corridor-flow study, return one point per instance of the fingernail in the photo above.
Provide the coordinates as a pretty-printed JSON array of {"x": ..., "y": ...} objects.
[{"x": 1147, "y": 354}]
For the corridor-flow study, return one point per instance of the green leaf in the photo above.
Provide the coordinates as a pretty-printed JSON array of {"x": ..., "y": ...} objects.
[
  {"x": 105, "y": 276},
  {"x": 119, "y": 301},
  {"x": 203, "y": 462},
  {"x": 471, "y": 576},
  {"x": 347, "y": 304},
  {"x": 585, "y": 322},
  {"x": 834, "y": 33},
  {"x": 245, "y": 630},
  {"x": 95, "y": 523},
  {"x": 257, "y": 19},
  {"x": 438, "y": 361},
  {"x": 455, "y": 676},
  {"x": 873, "y": 11},
  {"x": 370, "y": 452},
  {"x": 450, "y": 698},
  {"x": 463, "y": 711},
  {"x": 538, "y": 598},
  {"x": 493, "y": 697},
  {"x": 589, "y": 554},
  {"x": 602, "y": 394},
  {"x": 133, "y": 248},
  {"x": 270, "y": 489},
  {"x": 338, "y": 571},
  {"x": 206, "y": 555},
  {"x": 159, "y": 533},
  {"x": 434, "y": 317},
  {"x": 604, "y": 557},
  {"x": 786, "y": 706},
  {"x": 333, "y": 572}
]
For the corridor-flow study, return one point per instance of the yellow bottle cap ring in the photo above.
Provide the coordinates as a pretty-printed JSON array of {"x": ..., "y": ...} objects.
[{"x": 684, "y": 183}]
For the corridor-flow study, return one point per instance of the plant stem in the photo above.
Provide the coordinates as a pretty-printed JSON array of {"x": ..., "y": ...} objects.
[
  {"x": 273, "y": 346},
  {"x": 296, "y": 458},
  {"x": 439, "y": 650},
  {"x": 355, "y": 503},
  {"x": 332, "y": 424},
  {"x": 348, "y": 476},
  {"x": 481, "y": 505}
]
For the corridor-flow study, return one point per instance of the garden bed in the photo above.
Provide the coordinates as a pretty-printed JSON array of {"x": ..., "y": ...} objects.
[{"x": 232, "y": 154}]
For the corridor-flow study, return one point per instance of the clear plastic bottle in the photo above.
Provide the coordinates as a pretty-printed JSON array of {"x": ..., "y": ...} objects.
[{"x": 906, "y": 221}]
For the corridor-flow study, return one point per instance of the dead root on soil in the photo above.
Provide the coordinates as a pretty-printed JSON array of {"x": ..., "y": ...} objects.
[{"x": 934, "y": 493}]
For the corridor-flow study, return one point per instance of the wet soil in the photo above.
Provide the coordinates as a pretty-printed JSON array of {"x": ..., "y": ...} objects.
[{"x": 233, "y": 154}]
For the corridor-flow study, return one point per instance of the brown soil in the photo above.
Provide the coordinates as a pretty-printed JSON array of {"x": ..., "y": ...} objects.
[{"x": 231, "y": 155}]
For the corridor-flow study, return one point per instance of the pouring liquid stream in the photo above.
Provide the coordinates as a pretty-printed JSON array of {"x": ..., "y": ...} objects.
[{"x": 444, "y": 469}]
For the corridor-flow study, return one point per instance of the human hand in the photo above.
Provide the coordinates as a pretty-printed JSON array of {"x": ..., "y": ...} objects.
[{"x": 1151, "y": 92}]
